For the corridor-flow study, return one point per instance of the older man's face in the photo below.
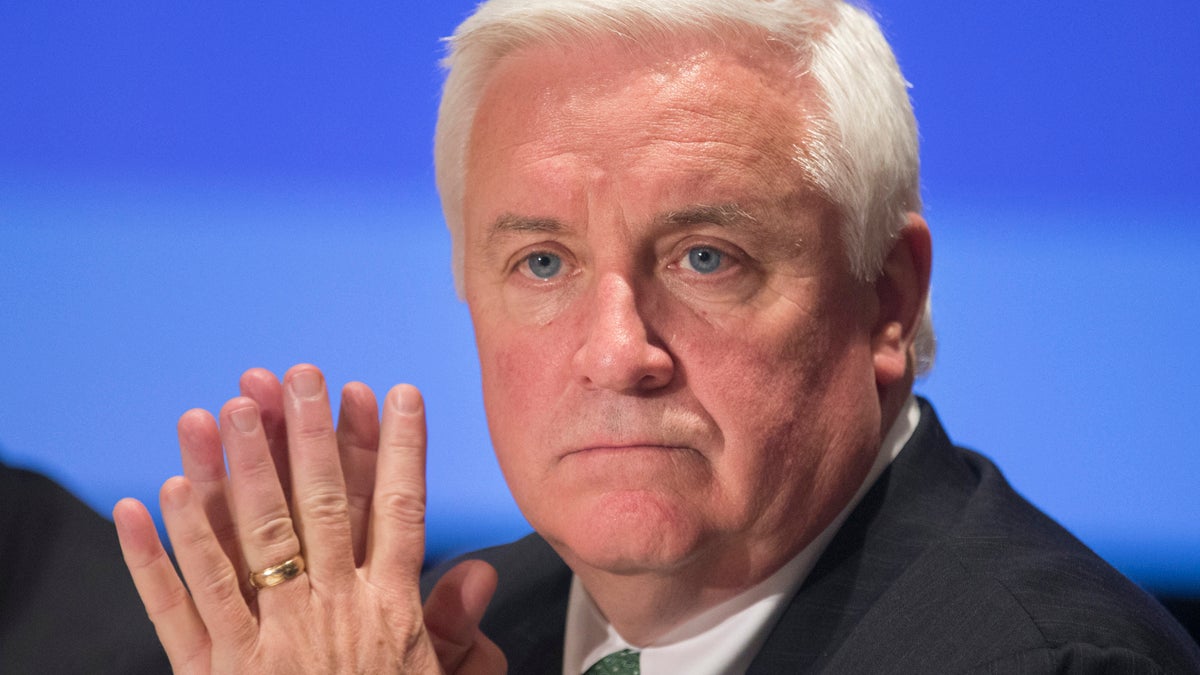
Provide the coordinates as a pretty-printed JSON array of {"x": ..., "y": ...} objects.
[{"x": 677, "y": 363}]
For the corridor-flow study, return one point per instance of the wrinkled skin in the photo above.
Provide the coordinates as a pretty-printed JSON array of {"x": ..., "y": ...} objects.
[
  {"x": 352, "y": 500},
  {"x": 684, "y": 382}
]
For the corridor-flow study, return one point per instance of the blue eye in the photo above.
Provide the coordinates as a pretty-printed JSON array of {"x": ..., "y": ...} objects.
[
  {"x": 704, "y": 259},
  {"x": 544, "y": 265}
]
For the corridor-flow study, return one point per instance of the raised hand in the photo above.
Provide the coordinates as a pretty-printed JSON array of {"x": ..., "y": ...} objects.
[{"x": 299, "y": 492}]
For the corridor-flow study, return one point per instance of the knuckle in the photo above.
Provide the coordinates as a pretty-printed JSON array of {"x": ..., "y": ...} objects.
[
  {"x": 311, "y": 430},
  {"x": 272, "y": 531},
  {"x": 192, "y": 538},
  {"x": 405, "y": 508},
  {"x": 167, "y": 603},
  {"x": 220, "y": 586},
  {"x": 406, "y": 441},
  {"x": 325, "y": 507},
  {"x": 148, "y": 562},
  {"x": 251, "y": 468}
]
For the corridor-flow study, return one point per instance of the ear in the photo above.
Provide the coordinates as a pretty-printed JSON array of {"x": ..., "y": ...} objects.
[{"x": 901, "y": 290}]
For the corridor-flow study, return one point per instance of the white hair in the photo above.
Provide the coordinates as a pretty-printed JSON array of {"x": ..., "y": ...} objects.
[{"x": 859, "y": 147}]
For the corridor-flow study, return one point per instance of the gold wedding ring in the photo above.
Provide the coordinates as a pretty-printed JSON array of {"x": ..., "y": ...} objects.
[{"x": 277, "y": 574}]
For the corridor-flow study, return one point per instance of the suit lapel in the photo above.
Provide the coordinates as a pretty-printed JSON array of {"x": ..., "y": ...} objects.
[{"x": 528, "y": 614}]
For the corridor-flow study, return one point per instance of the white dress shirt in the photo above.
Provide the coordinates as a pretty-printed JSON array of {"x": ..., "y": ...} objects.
[{"x": 723, "y": 639}]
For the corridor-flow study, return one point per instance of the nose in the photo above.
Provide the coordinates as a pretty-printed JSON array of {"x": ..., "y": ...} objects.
[{"x": 621, "y": 353}]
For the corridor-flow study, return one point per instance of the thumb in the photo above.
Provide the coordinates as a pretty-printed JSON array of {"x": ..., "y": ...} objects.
[{"x": 452, "y": 615}]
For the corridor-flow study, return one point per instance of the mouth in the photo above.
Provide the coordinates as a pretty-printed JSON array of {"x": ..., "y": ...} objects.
[
  {"x": 634, "y": 467},
  {"x": 630, "y": 449}
]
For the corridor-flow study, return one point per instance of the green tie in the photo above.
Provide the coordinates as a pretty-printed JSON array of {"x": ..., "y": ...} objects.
[{"x": 624, "y": 662}]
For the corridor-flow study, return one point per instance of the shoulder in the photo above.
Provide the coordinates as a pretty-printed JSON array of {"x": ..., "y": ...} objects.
[
  {"x": 1057, "y": 597},
  {"x": 998, "y": 601},
  {"x": 991, "y": 582},
  {"x": 64, "y": 575},
  {"x": 943, "y": 567}
]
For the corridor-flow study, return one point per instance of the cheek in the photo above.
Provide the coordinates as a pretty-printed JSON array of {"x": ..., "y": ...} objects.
[
  {"x": 736, "y": 362},
  {"x": 787, "y": 450},
  {"x": 757, "y": 397},
  {"x": 780, "y": 388},
  {"x": 523, "y": 373}
]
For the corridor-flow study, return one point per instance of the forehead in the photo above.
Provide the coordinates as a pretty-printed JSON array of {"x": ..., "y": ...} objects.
[{"x": 713, "y": 113}]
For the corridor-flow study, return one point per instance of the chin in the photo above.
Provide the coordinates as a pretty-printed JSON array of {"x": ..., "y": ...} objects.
[{"x": 628, "y": 533}]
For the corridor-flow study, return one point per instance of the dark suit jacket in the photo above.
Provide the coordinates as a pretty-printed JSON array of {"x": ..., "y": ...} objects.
[
  {"x": 942, "y": 568},
  {"x": 67, "y": 603}
]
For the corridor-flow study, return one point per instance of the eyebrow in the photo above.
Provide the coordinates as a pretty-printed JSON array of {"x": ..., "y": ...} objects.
[
  {"x": 511, "y": 222},
  {"x": 508, "y": 223},
  {"x": 722, "y": 215}
]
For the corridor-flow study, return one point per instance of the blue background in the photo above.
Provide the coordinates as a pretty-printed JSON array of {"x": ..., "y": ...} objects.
[{"x": 191, "y": 189}]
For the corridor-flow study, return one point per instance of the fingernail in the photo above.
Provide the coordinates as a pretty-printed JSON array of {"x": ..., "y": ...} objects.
[
  {"x": 245, "y": 419},
  {"x": 307, "y": 384},
  {"x": 407, "y": 400}
]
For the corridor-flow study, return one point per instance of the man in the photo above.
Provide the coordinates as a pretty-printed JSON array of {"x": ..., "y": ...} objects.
[{"x": 690, "y": 240}]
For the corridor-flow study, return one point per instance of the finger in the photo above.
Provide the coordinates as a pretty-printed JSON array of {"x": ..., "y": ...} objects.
[
  {"x": 396, "y": 541},
  {"x": 267, "y": 533},
  {"x": 167, "y": 601},
  {"x": 318, "y": 490},
  {"x": 262, "y": 386},
  {"x": 358, "y": 440},
  {"x": 204, "y": 466},
  {"x": 212, "y": 580},
  {"x": 452, "y": 615},
  {"x": 484, "y": 658}
]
